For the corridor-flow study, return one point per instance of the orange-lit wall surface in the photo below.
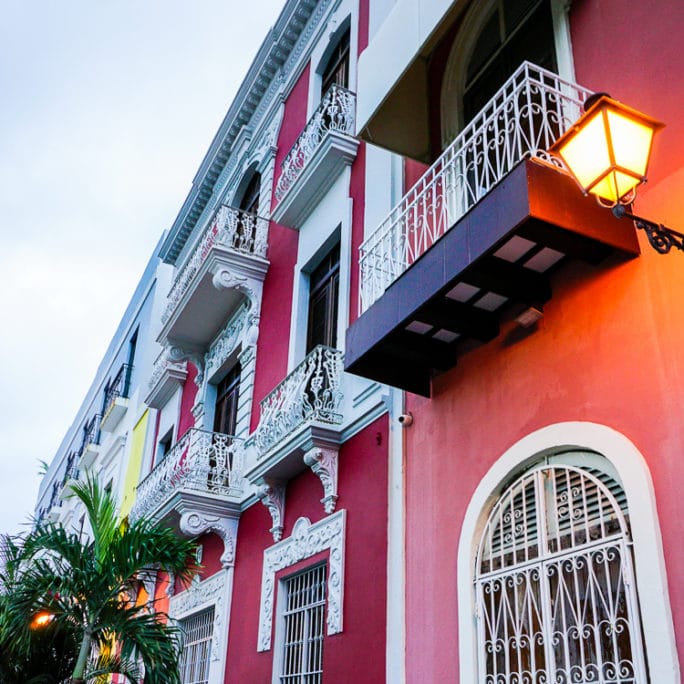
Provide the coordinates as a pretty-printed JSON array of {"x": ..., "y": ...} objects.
[{"x": 609, "y": 350}]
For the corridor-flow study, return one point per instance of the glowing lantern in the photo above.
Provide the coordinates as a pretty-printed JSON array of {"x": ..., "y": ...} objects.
[
  {"x": 42, "y": 619},
  {"x": 608, "y": 149}
]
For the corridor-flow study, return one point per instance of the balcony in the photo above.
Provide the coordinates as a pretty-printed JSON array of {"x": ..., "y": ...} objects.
[
  {"x": 227, "y": 265},
  {"x": 202, "y": 472},
  {"x": 302, "y": 412},
  {"x": 477, "y": 237},
  {"x": 324, "y": 148},
  {"x": 90, "y": 447},
  {"x": 167, "y": 377},
  {"x": 116, "y": 399}
]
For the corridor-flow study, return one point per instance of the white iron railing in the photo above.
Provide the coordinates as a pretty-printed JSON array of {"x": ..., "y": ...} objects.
[
  {"x": 523, "y": 119},
  {"x": 311, "y": 392},
  {"x": 230, "y": 228},
  {"x": 206, "y": 462},
  {"x": 335, "y": 113}
]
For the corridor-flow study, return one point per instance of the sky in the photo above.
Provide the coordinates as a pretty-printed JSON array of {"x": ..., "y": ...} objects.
[{"x": 107, "y": 108}]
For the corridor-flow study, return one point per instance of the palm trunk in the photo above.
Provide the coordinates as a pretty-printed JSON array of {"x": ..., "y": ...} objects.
[{"x": 78, "y": 677}]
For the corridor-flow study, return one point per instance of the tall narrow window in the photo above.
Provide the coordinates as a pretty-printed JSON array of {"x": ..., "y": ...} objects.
[
  {"x": 324, "y": 285},
  {"x": 556, "y": 597},
  {"x": 197, "y": 631},
  {"x": 336, "y": 70},
  {"x": 227, "y": 394},
  {"x": 518, "y": 30},
  {"x": 303, "y": 621},
  {"x": 245, "y": 235},
  {"x": 250, "y": 198}
]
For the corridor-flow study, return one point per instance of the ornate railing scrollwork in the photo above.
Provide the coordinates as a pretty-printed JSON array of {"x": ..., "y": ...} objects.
[
  {"x": 209, "y": 462},
  {"x": 335, "y": 113},
  {"x": 523, "y": 119},
  {"x": 311, "y": 392},
  {"x": 231, "y": 229}
]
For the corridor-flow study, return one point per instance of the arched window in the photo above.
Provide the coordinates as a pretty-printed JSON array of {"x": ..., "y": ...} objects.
[
  {"x": 495, "y": 38},
  {"x": 554, "y": 580},
  {"x": 517, "y": 30}
]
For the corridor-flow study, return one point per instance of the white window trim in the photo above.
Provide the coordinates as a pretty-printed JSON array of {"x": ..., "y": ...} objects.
[
  {"x": 649, "y": 561},
  {"x": 215, "y": 591},
  {"x": 307, "y": 540}
]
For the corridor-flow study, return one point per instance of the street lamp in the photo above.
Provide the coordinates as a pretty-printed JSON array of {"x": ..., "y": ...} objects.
[
  {"x": 607, "y": 153},
  {"x": 42, "y": 619}
]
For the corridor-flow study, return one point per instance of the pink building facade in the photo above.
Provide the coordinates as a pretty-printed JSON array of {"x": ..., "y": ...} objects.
[{"x": 417, "y": 397}]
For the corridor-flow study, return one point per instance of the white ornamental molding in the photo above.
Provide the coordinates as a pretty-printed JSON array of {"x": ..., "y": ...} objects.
[
  {"x": 272, "y": 495},
  {"x": 148, "y": 578},
  {"x": 226, "y": 279},
  {"x": 226, "y": 342},
  {"x": 170, "y": 584},
  {"x": 178, "y": 354},
  {"x": 194, "y": 524},
  {"x": 306, "y": 540},
  {"x": 323, "y": 462},
  {"x": 200, "y": 596}
]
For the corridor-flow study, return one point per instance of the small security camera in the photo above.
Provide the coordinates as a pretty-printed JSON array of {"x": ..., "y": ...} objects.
[{"x": 405, "y": 420}]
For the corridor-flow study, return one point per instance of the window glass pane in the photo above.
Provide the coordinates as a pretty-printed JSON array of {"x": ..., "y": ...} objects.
[{"x": 323, "y": 301}]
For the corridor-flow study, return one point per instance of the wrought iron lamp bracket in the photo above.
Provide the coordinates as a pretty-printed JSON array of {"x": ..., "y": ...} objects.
[{"x": 661, "y": 238}]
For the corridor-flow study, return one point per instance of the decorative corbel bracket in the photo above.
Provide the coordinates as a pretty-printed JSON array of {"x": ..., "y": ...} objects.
[
  {"x": 195, "y": 356},
  {"x": 323, "y": 462},
  {"x": 193, "y": 524},
  {"x": 272, "y": 495},
  {"x": 225, "y": 279}
]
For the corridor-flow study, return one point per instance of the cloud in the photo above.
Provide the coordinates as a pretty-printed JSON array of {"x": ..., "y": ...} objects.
[{"x": 108, "y": 109}]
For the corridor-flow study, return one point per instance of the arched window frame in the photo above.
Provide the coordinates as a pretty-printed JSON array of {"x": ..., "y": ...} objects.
[
  {"x": 649, "y": 563},
  {"x": 344, "y": 19},
  {"x": 453, "y": 85}
]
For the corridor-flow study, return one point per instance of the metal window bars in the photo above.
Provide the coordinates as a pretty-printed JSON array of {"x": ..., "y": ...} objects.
[
  {"x": 303, "y": 627},
  {"x": 311, "y": 392},
  {"x": 521, "y": 120},
  {"x": 229, "y": 228},
  {"x": 91, "y": 432},
  {"x": 336, "y": 112},
  {"x": 556, "y": 599},
  {"x": 206, "y": 462},
  {"x": 197, "y": 631}
]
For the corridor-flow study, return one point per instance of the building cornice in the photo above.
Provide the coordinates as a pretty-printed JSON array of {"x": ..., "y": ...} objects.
[{"x": 276, "y": 59}]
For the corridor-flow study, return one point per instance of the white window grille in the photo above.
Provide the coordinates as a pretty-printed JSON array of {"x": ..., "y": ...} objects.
[
  {"x": 197, "y": 631},
  {"x": 303, "y": 624},
  {"x": 556, "y": 598}
]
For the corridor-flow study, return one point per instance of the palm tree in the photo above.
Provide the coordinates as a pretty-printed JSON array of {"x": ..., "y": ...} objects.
[{"x": 86, "y": 588}]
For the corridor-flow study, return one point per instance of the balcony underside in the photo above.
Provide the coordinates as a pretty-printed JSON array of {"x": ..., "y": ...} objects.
[
  {"x": 216, "y": 291},
  {"x": 334, "y": 152},
  {"x": 494, "y": 263},
  {"x": 286, "y": 460},
  {"x": 189, "y": 500}
]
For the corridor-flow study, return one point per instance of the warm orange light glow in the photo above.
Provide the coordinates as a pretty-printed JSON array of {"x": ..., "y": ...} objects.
[
  {"x": 608, "y": 149},
  {"x": 42, "y": 619}
]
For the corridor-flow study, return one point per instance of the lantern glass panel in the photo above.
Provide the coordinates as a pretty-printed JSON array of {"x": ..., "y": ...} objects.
[
  {"x": 631, "y": 142},
  {"x": 586, "y": 153},
  {"x": 614, "y": 186}
]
